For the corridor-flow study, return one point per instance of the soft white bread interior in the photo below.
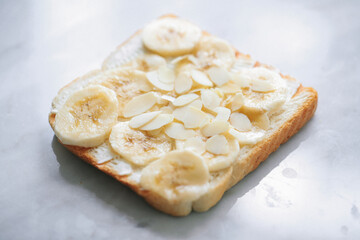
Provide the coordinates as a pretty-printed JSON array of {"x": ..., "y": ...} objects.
[{"x": 298, "y": 107}]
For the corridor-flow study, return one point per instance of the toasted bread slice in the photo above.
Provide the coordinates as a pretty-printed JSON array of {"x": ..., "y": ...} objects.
[{"x": 283, "y": 124}]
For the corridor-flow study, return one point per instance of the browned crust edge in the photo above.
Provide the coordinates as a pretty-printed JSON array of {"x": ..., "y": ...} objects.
[{"x": 239, "y": 170}]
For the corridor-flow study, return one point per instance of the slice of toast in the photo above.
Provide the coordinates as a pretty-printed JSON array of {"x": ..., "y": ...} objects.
[{"x": 294, "y": 112}]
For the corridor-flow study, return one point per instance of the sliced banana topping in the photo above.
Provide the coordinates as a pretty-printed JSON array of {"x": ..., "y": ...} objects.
[
  {"x": 171, "y": 36},
  {"x": 179, "y": 175},
  {"x": 201, "y": 78},
  {"x": 218, "y": 75},
  {"x": 251, "y": 137},
  {"x": 139, "y": 104},
  {"x": 210, "y": 99},
  {"x": 214, "y": 51},
  {"x": 195, "y": 144},
  {"x": 136, "y": 146},
  {"x": 143, "y": 119},
  {"x": 158, "y": 122},
  {"x": 191, "y": 116},
  {"x": 240, "y": 121},
  {"x": 185, "y": 99},
  {"x": 87, "y": 116},
  {"x": 177, "y": 131}
]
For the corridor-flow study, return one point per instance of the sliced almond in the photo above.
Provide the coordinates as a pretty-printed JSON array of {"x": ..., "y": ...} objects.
[
  {"x": 217, "y": 145},
  {"x": 191, "y": 116},
  {"x": 142, "y": 119},
  {"x": 141, "y": 81},
  {"x": 158, "y": 122},
  {"x": 240, "y": 121},
  {"x": 153, "y": 78},
  {"x": 218, "y": 75},
  {"x": 210, "y": 99},
  {"x": 185, "y": 99},
  {"x": 154, "y": 61},
  {"x": 166, "y": 109},
  {"x": 183, "y": 82},
  {"x": 201, "y": 78},
  {"x": 168, "y": 98},
  {"x": 223, "y": 113},
  {"x": 214, "y": 128},
  {"x": 262, "y": 86},
  {"x": 196, "y": 104},
  {"x": 262, "y": 121},
  {"x": 178, "y": 131},
  {"x": 247, "y": 137},
  {"x": 237, "y": 102},
  {"x": 139, "y": 104},
  {"x": 166, "y": 75}
]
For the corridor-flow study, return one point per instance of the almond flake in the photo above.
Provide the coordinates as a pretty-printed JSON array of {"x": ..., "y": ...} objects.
[
  {"x": 237, "y": 102},
  {"x": 262, "y": 121},
  {"x": 191, "y": 116},
  {"x": 168, "y": 98},
  {"x": 142, "y": 119},
  {"x": 178, "y": 131},
  {"x": 158, "y": 122},
  {"x": 217, "y": 145},
  {"x": 218, "y": 75},
  {"x": 153, "y": 78},
  {"x": 210, "y": 99},
  {"x": 196, "y": 104},
  {"x": 154, "y": 61},
  {"x": 166, "y": 75},
  {"x": 183, "y": 83},
  {"x": 214, "y": 128},
  {"x": 139, "y": 104},
  {"x": 240, "y": 121},
  {"x": 185, "y": 99},
  {"x": 223, "y": 113},
  {"x": 141, "y": 81},
  {"x": 262, "y": 86},
  {"x": 201, "y": 78}
]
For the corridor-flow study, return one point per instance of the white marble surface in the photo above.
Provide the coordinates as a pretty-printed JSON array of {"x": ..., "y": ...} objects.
[{"x": 308, "y": 189}]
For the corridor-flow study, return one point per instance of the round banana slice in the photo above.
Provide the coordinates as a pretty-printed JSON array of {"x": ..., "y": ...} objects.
[
  {"x": 267, "y": 91},
  {"x": 138, "y": 147},
  {"x": 179, "y": 175},
  {"x": 87, "y": 117},
  {"x": 214, "y": 51},
  {"x": 171, "y": 36}
]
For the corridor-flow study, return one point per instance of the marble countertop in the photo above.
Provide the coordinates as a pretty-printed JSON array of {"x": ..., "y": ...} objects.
[{"x": 308, "y": 189}]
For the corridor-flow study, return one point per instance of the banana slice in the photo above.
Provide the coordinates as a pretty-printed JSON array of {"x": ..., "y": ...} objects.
[
  {"x": 214, "y": 51},
  {"x": 126, "y": 83},
  {"x": 179, "y": 175},
  {"x": 267, "y": 92},
  {"x": 138, "y": 147},
  {"x": 87, "y": 117},
  {"x": 171, "y": 36},
  {"x": 247, "y": 138}
]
